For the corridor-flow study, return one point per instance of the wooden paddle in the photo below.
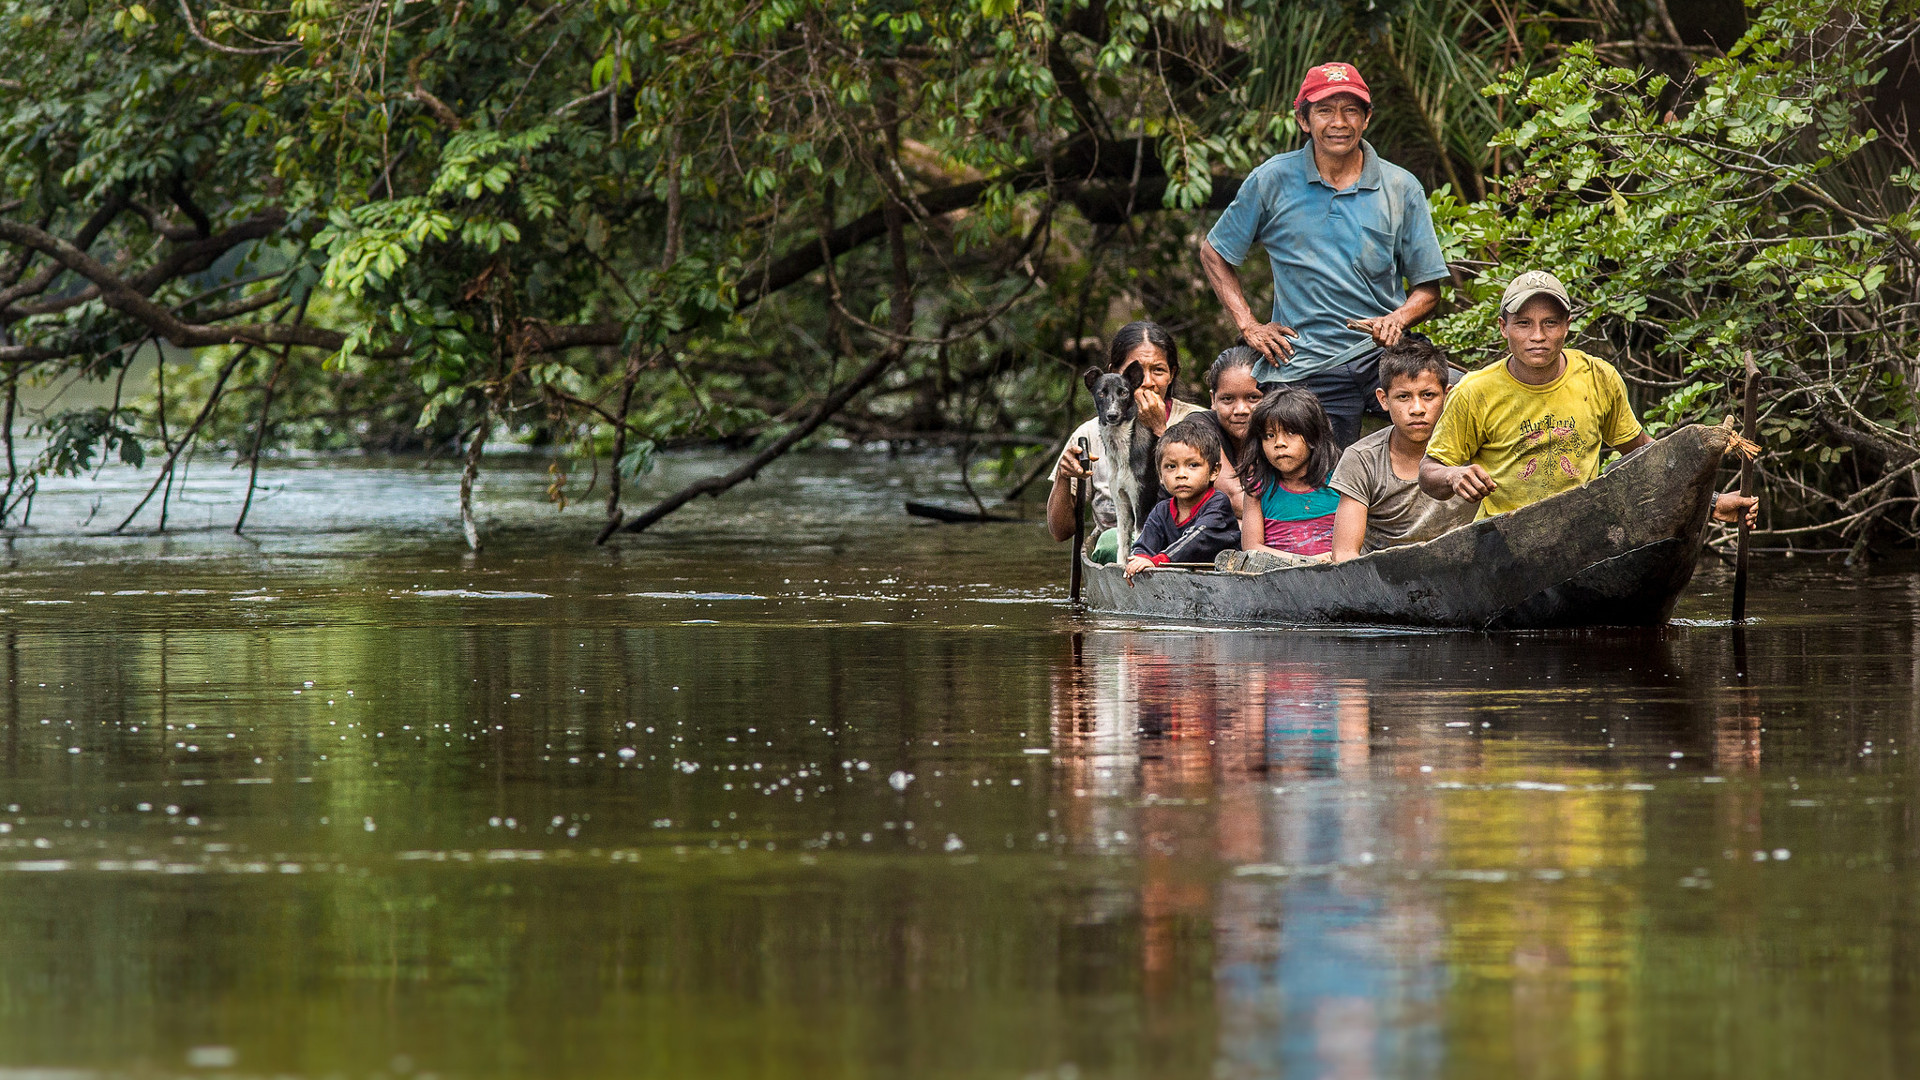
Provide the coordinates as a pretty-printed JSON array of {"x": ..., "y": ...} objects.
[
  {"x": 1749, "y": 420},
  {"x": 1080, "y": 487}
]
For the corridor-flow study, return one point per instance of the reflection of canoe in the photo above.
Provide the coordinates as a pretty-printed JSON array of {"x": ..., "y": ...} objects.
[{"x": 1616, "y": 552}]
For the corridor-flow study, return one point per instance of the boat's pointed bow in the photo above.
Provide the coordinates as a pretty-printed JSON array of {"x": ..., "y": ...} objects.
[
  {"x": 1704, "y": 447},
  {"x": 1724, "y": 438}
]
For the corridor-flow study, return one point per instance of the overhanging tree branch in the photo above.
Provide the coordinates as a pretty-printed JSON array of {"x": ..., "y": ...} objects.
[
  {"x": 187, "y": 258},
  {"x": 1100, "y": 177},
  {"x": 1099, "y": 197},
  {"x": 123, "y": 297},
  {"x": 89, "y": 232},
  {"x": 193, "y": 27},
  {"x": 130, "y": 297}
]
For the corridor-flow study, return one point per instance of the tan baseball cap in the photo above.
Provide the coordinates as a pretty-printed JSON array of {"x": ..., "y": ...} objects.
[{"x": 1530, "y": 284}]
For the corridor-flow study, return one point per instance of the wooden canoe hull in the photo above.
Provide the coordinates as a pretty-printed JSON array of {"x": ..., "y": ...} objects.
[{"x": 1617, "y": 552}]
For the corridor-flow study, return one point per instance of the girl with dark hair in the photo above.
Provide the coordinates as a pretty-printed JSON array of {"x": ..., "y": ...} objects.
[
  {"x": 1230, "y": 380},
  {"x": 1284, "y": 466},
  {"x": 1149, "y": 345}
]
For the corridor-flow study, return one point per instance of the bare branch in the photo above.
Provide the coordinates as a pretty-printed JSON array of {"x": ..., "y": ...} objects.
[
  {"x": 193, "y": 28},
  {"x": 84, "y": 239},
  {"x": 603, "y": 92},
  {"x": 129, "y": 299},
  {"x": 440, "y": 110}
]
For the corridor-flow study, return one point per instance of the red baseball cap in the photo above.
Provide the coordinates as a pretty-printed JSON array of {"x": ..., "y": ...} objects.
[{"x": 1325, "y": 80}]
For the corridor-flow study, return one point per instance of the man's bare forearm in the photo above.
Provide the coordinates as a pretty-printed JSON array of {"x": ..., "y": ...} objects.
[
  {"x": 1436, "y": 479},
  {"x": 1634, "y": 443},
  {"x": 1271, "y": 341},
  {"x": 1387, "y": 329},
  {"x": 1421, "y": 301},
  {"x": 1226, "y": 286},
  {"x": 1470, "y": 481}
]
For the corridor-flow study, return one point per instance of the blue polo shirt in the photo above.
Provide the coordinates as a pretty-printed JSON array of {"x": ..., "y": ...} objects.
[{"x": 1336, "y": 255}]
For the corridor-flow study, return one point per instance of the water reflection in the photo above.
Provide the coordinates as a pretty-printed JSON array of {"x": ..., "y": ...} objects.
[
  {"x": 1317, "y": 972},
  {"x": 1422, "y": 844}
]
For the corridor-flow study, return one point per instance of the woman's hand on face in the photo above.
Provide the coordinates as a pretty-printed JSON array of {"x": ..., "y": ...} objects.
[
  {"x": 1152, "y": 410},
  {"x": 1070, "y": 463}
]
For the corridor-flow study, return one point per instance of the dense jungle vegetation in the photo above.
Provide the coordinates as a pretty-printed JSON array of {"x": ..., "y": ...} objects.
[{"x": 614, "y": 227}]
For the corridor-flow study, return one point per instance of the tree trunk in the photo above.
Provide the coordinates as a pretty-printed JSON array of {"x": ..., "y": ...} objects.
[{"x": 467, "y": 525}]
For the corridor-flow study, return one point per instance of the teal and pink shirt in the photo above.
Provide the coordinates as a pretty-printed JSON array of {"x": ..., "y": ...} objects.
[{"x": 1298, "y": 521}]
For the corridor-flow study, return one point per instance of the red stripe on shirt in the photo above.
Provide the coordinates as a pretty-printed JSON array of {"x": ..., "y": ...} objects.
[{"x": 1311, "y": 537}]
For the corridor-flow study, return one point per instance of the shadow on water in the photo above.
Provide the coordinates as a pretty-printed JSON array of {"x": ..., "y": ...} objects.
[{"x": 814, "y": 791}]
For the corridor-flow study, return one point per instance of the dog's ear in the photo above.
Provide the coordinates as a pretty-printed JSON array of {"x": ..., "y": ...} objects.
[
  {"x": 1091, "y": 377},
  {"x": 1135, "y": 375}
]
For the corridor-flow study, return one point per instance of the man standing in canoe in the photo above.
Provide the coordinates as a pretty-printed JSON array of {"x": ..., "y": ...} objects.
[
  {"x": 1535, "y": 426},
  {"x": 1351, "y": 243}
]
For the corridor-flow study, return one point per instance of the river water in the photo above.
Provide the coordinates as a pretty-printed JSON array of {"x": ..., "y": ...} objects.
[{"x": 797, "y": 787}]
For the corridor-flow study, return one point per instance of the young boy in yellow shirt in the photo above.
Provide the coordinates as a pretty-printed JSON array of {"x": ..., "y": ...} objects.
[{"x": 1515, "y": 433}]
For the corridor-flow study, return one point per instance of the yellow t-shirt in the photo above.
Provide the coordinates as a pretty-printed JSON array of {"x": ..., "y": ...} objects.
[{"x": 1534, "y": 441}]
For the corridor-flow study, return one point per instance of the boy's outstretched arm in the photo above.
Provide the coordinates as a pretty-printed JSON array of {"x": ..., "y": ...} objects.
[
  {"x": 1349, "y": 528},
  {"x": 1470, "y": 482}
]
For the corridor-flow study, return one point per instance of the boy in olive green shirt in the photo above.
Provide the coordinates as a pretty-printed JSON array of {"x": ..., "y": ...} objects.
[{"x": 1378, "y": 478}]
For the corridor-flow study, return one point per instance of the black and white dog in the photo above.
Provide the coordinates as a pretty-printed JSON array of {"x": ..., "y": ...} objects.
[{"x": 1129, "y": 447}]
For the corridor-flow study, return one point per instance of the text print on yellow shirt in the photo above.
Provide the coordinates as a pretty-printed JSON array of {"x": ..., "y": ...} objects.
[{"x": 1551, "y": 442}]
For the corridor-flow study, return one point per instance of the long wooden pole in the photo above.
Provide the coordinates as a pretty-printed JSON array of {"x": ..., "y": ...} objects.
[
  {"x": 1080, "y": 487},
  {"x": 1749, "y": 420}
]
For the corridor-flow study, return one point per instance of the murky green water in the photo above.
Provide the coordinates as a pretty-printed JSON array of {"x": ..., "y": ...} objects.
[{"x": 799, "y": 788}]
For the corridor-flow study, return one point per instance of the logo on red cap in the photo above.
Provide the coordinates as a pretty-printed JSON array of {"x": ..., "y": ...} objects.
[{"x": 1325, "y": 80}]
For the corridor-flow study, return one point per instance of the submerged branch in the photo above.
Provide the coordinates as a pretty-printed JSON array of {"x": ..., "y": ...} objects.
[
  {"x": 186, "y": 439},
  {"x": 468, "y": 527}
]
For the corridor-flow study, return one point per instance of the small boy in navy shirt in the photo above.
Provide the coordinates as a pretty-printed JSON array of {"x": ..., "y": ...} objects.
[{"x": 1198, "y": 522}]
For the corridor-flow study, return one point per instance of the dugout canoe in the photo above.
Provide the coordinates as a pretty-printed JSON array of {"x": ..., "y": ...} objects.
[{"x": 1616, "y": 552}]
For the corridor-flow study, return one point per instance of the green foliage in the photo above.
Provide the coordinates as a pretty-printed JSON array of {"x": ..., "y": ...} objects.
[
  {"x": 79, "y": 440},
  {"x": 639, "y": 459},
  {"x": 584, "y": 225}
]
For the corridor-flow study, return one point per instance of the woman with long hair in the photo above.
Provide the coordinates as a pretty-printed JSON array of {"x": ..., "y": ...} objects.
[{"x": 1147, "y": 344}]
